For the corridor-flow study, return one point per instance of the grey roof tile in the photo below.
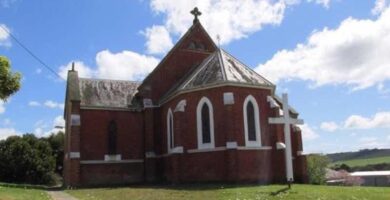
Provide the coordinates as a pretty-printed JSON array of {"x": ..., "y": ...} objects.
[
  {"x": 107, "y": 93},
  {"x": 222, "y": 67}
]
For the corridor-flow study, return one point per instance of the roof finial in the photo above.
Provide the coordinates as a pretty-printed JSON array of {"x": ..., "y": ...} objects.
[
  {"x": 72, "y": 66},
  {"x": 219, "y": 40},
  {"x": 196, "y": 13}
]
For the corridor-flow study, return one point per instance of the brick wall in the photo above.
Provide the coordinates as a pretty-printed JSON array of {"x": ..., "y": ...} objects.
[
  {"x": 72, "y": 144},
  {"x": 94, "y": 145},
  {"x": 262, "y": 166},
  {"x": 111, "y": 174},
  {"x": 178, "y": 63},
  {"x": 94, "y": 134},
  {"x": 222, "y": 124}
]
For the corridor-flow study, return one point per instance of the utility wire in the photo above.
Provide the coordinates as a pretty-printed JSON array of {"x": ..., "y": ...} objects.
[{"x": 31, "y": 53}]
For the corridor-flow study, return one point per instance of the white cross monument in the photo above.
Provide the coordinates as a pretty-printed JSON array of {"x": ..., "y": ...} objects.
[{"x": 287, "y": 121}]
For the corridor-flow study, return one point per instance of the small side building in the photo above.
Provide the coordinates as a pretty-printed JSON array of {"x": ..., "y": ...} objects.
[{"x": 372, "y": 178}]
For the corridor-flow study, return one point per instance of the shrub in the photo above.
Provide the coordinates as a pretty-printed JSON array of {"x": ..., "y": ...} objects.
[
  {"x": 26, "y": 159},
  {"x": 316, "y": 166},
  {"x": 56, "y": 142}
]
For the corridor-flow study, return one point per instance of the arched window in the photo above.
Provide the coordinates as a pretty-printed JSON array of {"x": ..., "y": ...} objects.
[
  {"x": 170, "y": 136},
  {"x": 205, "y": 124},
  {"x": 112, "y": 136},
  {"x": 251, "y": 122}
]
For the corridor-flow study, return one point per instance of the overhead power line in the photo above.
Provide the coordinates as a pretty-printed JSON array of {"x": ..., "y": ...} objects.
[{"x": 30, "y": 52}]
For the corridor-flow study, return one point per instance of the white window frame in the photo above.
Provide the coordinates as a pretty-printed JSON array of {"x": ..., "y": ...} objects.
[
  {"x": 201, "y": 145},
  {"x": 170, "y": 116},
  {"x": 248, "y": 143}
]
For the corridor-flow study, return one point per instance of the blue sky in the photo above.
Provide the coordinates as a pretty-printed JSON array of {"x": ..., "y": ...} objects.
[{"x": 331, "y": 56}]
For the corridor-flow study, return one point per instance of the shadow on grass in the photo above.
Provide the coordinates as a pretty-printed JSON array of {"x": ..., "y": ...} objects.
[
  {"x": 186, "y": 187},
  {"x": 189, "y": 187},
  {"x": 283, "y": 190}
]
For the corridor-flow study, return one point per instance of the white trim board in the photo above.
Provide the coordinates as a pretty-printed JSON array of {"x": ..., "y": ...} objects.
[
  {"x": 206, "y": 150},
  {"x": 257, "y": 141},
  {"x": 170, "y": 131},
  {"x": 111, "y": 162},
  {"x": 223, "y": 148},
  {"x": 211, "y": 86},
  {"x": 254, "y": 148},
  {"x": 205, "y": 101}
]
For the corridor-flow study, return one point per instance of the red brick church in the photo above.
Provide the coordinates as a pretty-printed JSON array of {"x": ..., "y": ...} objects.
[{"x": 200, "y": 116}]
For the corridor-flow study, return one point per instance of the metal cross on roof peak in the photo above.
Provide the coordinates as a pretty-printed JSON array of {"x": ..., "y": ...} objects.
[{"x": 196, "y": 13}]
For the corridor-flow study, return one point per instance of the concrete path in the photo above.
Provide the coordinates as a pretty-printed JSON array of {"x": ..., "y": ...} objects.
[{"x": 60, "y": 195}]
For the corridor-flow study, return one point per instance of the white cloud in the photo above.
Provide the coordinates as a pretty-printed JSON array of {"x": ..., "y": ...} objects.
[
  {"x": 2, "y": 106},
  {"x": 125, "y": 65},
  {"x": 358, "y": 122},
  {"x": 324, "y": 3},
  {"x": 329, "y": 126},
  {"x": 388, "y": 137},
  {"x": 308, "y": 133},
  {"x": 380, "y": 6},
  {"x": 372, "y": 142},
  {"x": 53, "y": 104},
  {"x": 379, "y": 120},
  {"x": 6, "y": 132},
  {"x": 4, "y": 36},
  {"x": 354, "y": 54},
  {"x": 82, "y": 69},
  {"x": 47, "y": 103},
  {"x": 158, "y": 40},
  {"x": 230, "y": 19},
  {"x": 33, "y": 103},
  {"x": 42, "y": 130}
]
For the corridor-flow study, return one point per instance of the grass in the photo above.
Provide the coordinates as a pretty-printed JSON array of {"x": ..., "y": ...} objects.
[
  {"x": 363, "y": 162},
  {"x": 15, "y": 193},
  {"x": 233, "y": 192}
]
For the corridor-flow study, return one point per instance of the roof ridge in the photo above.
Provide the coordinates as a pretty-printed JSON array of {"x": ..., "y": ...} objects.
[
  {"x": 247, "y": 67},
  {"x": 197, "y": 71},
  {"x": 177, "y": 44},
  {"x": 105, "y": 79},
  {"x": 222, "y": 62}
]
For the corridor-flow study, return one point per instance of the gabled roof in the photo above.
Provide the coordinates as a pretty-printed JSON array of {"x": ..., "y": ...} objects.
[
  {"x": 220, "y": 67},
  {"x": 223, "y": 67},
  {"x": 106, "y": 93},
  {"x": 196, "y": 25}
]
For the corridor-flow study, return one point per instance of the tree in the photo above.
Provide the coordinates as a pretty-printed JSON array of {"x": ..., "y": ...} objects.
[
  {"x": 316, "y": 167},
  {"x": 342, "y": 167},
  {"x": 56, "y": 141},
  {"x": 26, "y": 159},
  {"x": 9, "y": 82}
]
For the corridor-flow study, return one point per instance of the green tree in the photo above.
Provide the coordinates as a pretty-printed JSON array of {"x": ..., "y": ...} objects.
[
  {"x": 9, "y": 82},
  {"x": 26, "y": 159},
  {"x": 56, "y": 141},
  {"x": 316, "y": 167}
]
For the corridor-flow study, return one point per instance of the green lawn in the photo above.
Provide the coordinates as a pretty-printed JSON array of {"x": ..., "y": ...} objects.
[
  {"x": 12, "y": 193},
  {"x": 231, "y": 192},
  {"x": 365, "y": 161}
]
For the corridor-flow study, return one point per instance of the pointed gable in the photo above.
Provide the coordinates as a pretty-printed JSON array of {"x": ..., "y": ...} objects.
[{"x": 188, "y": 53}]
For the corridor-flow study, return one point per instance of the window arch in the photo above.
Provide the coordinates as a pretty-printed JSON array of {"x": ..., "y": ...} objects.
[
  {"x": 205, "y": 124},
  {"x": 170, "y": 131},
  {"x": 251, "y": 122}
]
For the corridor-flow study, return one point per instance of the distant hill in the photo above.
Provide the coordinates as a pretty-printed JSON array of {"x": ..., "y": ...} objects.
[{"x": 362, "y": 154}]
